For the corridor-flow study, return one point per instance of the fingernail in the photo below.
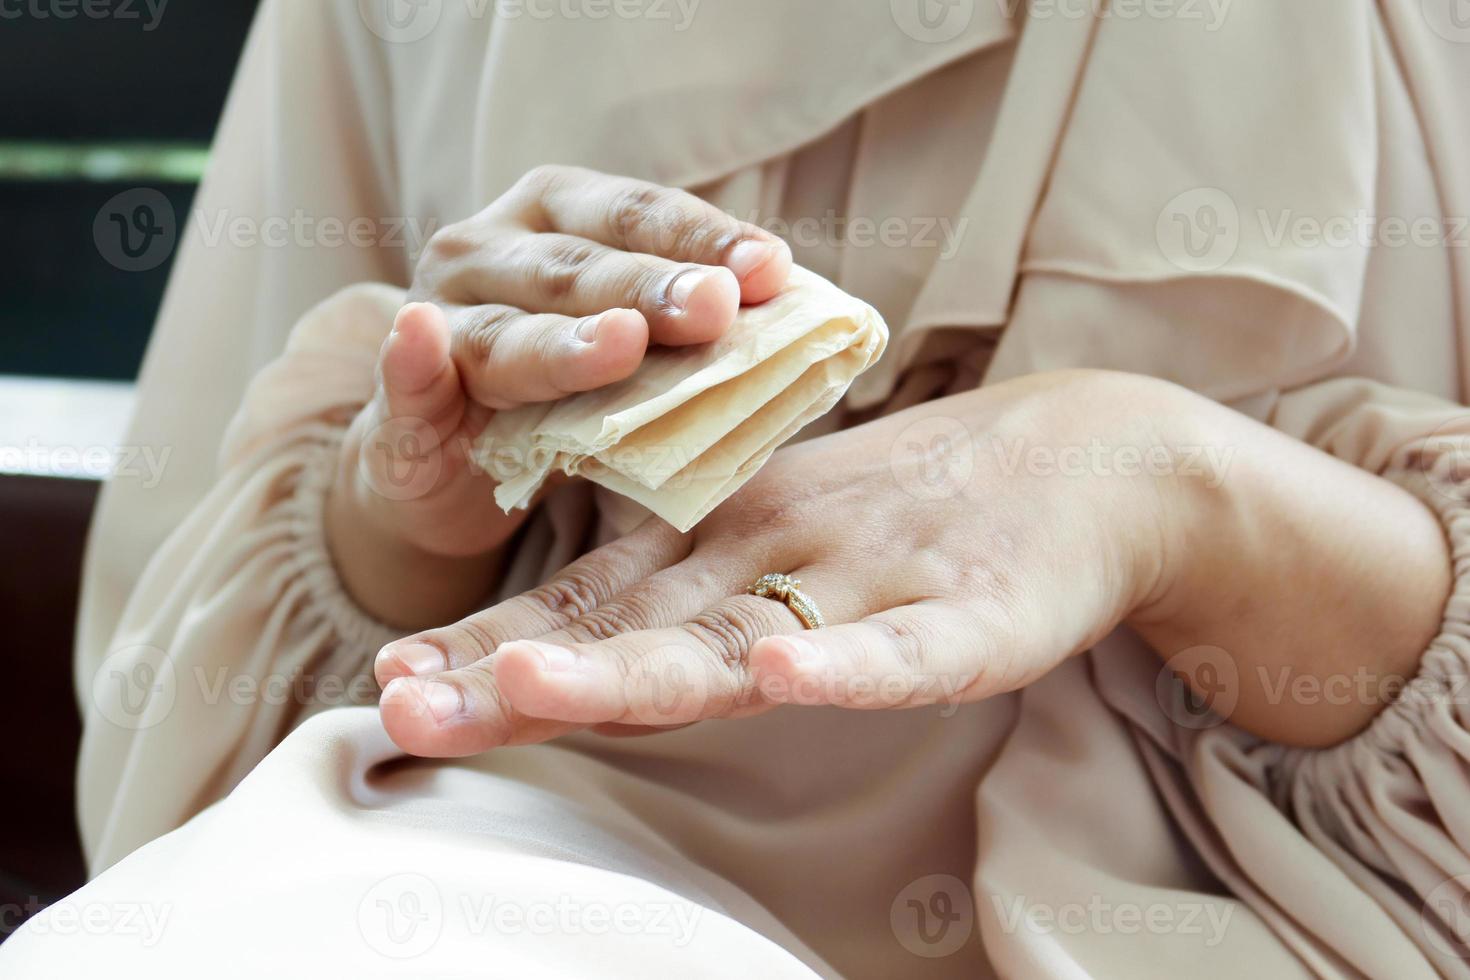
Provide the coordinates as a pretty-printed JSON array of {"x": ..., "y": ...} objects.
[
  {"x": 554, "y": 658},
  {"x": 420, "y": 658},
  {"x": 748, "y": 256},
  {"x": 443, "y": 700},
  {"x": 587, "y": 329},
  {"x": 684, "y": 285}
]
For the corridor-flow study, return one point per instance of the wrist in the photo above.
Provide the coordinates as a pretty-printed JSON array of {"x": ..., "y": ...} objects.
[
  {"x": 389, "y": 576},
  {"x": 1314, "y": 585},
  {"x": 1189, "y": 447}
]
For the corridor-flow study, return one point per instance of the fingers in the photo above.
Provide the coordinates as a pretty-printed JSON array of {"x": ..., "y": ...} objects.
[
  {"x": 637, "y": 216},
  {"x": 506, "y": 357},
  {"x": 662, "y": 676},
  {"x": 427, "y": 718},
  {"x": 669, "y": 597},
  {"x": 573, "y": 592},
  {"x": 418, "y": 378},
  {"x": 914, "y": 655},
  {"x": 655, "y": 677},
  {"x": 418, "y": 406},
  {"x": 560, "y": 285},
  {"x": 683, "y": 303}
]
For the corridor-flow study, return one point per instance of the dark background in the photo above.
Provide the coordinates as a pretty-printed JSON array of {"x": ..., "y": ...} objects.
[
  {"x": 89, "y": 81},
  {"x": 68, "y": 312}
]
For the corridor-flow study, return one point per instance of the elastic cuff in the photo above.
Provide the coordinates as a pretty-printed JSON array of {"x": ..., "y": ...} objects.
[
  {"x": 1434, "y": 696},
  {"x": 360, "y": 635}
]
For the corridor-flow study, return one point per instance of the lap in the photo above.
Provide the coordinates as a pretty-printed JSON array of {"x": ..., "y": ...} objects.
[{"x": 690, "y": 851}]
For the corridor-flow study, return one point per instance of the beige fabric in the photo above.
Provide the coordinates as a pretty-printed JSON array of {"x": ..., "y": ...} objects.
[
  {"x": 692, "y": 425},
  {"x": 1081, "y": 825}
]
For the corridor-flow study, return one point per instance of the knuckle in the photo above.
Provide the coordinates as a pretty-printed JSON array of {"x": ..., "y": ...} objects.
[
  {"x": 999, "y": 582},
  {"x": 645, "y": 285},
  {"x": 704, "y": 578},
  {"x": 542, "y": 178},
  {"x": 466, "y": 641},
  {"x": 446, "y": 256},
  {"x": 670, "y": 222},
  {"x": 755, "y": 515},
  {"x": 654, "y": 537},
  {"x": 483, "y": 332},
  {"x": 450, "y": 242},
  {"x": 454, "y": 259},
  {"x": 938, "y": 569},
  {"x": 640, "y": 215},
  {"x": 626, "y": 614},
  {"x": 729, "y": 631},
  {"x": 573, "y": 594},
  {"x": 602, "y": 623},
  {"x": 556, "y": 270},
  {"x": 494, "y": 716},
  {"x": 706, "y": 235}
]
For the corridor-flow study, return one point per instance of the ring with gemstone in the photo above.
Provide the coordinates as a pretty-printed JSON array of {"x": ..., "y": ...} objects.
[{"x": 784, "y": 588}]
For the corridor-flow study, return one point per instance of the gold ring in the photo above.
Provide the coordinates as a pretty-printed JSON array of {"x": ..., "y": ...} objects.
[{"x": 788, "y": 590}]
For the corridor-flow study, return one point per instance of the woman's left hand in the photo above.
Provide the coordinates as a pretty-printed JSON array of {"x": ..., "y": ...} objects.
[
  {"x": 960, "y": 549},
  {"x": 947, "y": 567}
]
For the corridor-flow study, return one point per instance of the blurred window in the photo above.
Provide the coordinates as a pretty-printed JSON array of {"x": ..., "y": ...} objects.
[
  {"x": 106, "y": 112},
  {"x": 107, "y": 108}
]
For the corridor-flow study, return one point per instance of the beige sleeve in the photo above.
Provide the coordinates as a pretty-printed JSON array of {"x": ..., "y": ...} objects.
[
  {"x": 302, "y": 142},
  {"x": 1391, "y": 806},
  {"x": 238, "y": 627},
  {"x": 1357, "y": 855}
]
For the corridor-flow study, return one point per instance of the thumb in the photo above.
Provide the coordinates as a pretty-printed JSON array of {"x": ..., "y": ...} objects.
[
  {"x": 419, "y": 380},
  {"x": 418, "y": 406}
]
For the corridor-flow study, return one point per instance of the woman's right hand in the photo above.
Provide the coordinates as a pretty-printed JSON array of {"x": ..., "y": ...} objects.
[{"x": 557, "y": 287}]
